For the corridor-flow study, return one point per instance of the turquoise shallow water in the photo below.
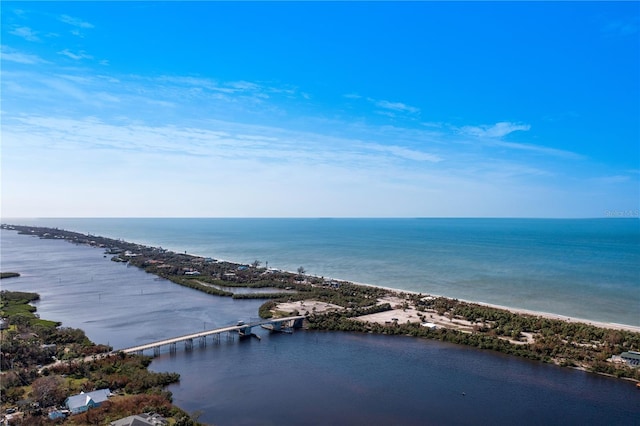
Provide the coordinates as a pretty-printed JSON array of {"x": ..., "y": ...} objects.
[{"x": 580, "y": 268}]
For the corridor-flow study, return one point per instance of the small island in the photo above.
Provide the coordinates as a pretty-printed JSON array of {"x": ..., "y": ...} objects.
[
  {"x": 4, "y": 275},
  {"x": 338, "y": 305}
]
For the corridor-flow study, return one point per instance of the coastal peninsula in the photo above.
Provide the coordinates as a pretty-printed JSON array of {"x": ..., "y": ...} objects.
[{"x": 330, "y": 304}]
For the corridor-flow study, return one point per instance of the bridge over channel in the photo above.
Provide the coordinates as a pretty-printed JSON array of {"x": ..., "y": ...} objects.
[{"x": 273, "y": 324}]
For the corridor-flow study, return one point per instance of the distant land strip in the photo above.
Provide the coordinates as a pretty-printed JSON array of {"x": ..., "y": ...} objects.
[{"x": 4, "y": 275}]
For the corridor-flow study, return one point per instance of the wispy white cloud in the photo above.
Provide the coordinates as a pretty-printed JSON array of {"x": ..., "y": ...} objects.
[
  {"x": 351, "y": 176},
  {"x": 432, "y": 124},
  {"x": 395, "y": 106},
  {"x": 80, "y": 79},
  {"x": 540, "y": 150},
  {"x": 56, "y": 87},
  {"x": 218, "y": 140},
  {"x": 497, "y": 130},
  {"x": 75, "y": 56},
  {"x": 491, "y": 135},
  {"x": 385, "y": 107},
  {"x": 12, "y": 55},
  {"x": 162, "y": 104},
  {"x": 177, "y": 97},
  {"x": 406, "y": 153},
  {"x": 155, "y": 132},
  {"x": 68, "y": 94},
  {"x": 244, "y": 85},
  {"x": 26, "y": 33},
  {"x": 234, "y": 87},
  {"x": 76, "y": 22},
  {"x": 195, "y": 83}
]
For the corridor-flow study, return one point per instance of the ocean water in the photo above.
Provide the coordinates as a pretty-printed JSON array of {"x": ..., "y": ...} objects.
[
  {"x": 581, "y": 268},
  {"x": 305, "y": 378}
]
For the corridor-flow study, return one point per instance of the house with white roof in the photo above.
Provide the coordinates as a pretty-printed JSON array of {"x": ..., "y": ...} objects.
[{"x": 80, "y": 403}]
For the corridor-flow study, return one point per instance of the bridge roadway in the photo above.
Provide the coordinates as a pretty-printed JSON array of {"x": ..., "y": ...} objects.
[{"x": 204, "y": 334}]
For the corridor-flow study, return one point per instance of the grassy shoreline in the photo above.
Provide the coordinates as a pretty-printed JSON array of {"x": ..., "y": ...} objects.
[{"x": 43, "y": 363}]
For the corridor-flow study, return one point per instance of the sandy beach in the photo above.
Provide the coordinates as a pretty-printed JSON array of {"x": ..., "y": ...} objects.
[
  {"x": 405, "y": 316},
  {"x": 610, "y": 325}
]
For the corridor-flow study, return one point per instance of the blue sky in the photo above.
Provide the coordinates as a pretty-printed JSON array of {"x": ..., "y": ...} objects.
[{"x": 418, "y": 109}]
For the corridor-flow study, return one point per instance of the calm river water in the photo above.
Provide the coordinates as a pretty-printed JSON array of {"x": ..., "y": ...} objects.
[{"x": 307, "y": 378}]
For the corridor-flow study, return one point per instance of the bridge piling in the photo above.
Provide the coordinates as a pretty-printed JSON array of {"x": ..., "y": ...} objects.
[{"x": 241, "y": 329}]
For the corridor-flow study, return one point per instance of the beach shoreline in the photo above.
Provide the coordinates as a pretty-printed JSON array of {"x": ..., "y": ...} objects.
[
  {"x": 515, "y": 310},
  {"x": 519, "y": 311},
  {"x": 601, "y": 324}
]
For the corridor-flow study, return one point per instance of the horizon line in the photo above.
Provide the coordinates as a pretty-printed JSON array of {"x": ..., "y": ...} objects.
[{"x": 622, "y": 215}]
